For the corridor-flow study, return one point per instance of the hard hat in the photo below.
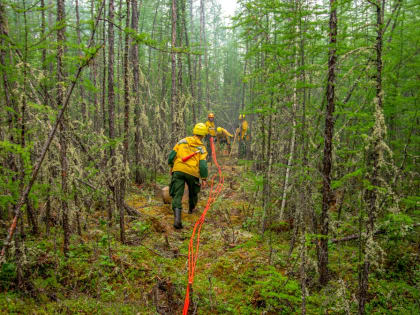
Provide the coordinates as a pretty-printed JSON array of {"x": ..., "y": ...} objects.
[
  {"x": 200, "y": 129},
  {"x": 211, "y": 115},
  {"x": 241, "y": 116},
  {"x": 219, "y": 129}
]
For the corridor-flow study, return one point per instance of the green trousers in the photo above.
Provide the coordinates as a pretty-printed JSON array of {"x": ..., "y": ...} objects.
[
  {"x": 208, "y": 147},
  {"x": 176, "y": 189}
]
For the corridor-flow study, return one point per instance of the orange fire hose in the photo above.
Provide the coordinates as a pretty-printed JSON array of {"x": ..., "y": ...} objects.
[{"x": 193, "y": 250}]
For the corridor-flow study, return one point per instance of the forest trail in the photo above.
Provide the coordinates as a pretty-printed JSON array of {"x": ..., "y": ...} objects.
[
  {"x": 222, "y": 255},
  {"x": 151, "y": 206},
  {"x": 154, "y": 207}
]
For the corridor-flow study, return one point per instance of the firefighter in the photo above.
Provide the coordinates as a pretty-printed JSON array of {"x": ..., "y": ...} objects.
[
  {"x": 243, "y": 136},
  {"x": 188, "y": 164},
  {"x": 223, "y": 137},
  {"x": 211, "y": 132}
]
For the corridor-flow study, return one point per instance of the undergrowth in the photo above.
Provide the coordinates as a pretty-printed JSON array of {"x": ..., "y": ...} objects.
[{"x": 236, "y": 274}]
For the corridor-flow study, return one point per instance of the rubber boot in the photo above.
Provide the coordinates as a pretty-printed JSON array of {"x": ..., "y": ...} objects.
[{"x": 177, "y": 218}]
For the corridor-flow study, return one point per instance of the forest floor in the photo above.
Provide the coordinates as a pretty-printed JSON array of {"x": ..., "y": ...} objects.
[{"x": 238, "y": 271}]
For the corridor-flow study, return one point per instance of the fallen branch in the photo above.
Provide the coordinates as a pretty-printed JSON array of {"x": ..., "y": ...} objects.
[{"x": 356, "y": 236}]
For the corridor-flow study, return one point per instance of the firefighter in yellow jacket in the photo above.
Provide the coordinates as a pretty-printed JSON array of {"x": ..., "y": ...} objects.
[
  {"x": 223, "y": 136},
  {"x": 243, "y": 136},
  {"x": 211, "y": 132},
  {"x": 188, "y": 163}
]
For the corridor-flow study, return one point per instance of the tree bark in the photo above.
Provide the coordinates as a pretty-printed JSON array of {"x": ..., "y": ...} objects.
[
  {"x": 375, "y": 151},
  {"x": 190, "y": 76},
  {"x": 292, "y": 145},
  {"x": 173, "y": 85},
  {"x": 79, "y": 42},
  {"x": 199, "y": 80},
  {"x": 94, "y": 75},
  {"x": 103, "y": 74},
  {"x": 322, "y": 248},
  {"x": 136, "y": 94},
  {"x": 63, "y": 141},
  {"x": 126, "y": 113}
]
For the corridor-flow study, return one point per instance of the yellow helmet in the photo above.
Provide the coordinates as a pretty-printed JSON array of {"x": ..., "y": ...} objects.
[
  {"x": 200, "y": 129},
  {"x": 219, "y": 129},
  {"x": 211, "y": 115},
  {"x": 241, "y": 116}
]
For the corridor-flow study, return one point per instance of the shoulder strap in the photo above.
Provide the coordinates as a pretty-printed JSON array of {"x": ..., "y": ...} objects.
[{"x": 183, "y": 141}]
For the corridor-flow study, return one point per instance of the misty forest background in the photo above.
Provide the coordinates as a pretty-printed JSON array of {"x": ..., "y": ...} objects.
[{"x": 321, "y": 217}]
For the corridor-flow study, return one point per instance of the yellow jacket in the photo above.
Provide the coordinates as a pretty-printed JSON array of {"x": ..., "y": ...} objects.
[
  {"x": 211, "y": 128},
  {"x": 243, "y": 132},
  {"x": 224, "y": 134},
  {"x": 196, "y": 165}
]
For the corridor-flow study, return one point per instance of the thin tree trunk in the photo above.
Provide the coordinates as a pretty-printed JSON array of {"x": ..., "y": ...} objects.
[
  {"x": 374, "y": 154},
  {"x": 206, "y": 59},
  {"x": 63, "y": 141},
  {"x": 29, "y": 209},
  {"x": 126, "y": 114},
  {"x": 292, "y": 148},
  {"x": 268, "y": 160},
  {"x": 190, "y": 76},
  {"x": 153, "y": 33},
  {"x": 174, "y": 85},
  {"x": 111, "y": 104},
  {"x": 103, "y": 74},
  {"x": 94, "y": 75},
  {"x": 136, "y": 94},
  {"x": 79, "y": 41},
  {"x": 322, "y": 247},
  {"x": 199, "y": 80},
  {"x": 243, "y": 83},
  {"x": 44, "y": 51}
]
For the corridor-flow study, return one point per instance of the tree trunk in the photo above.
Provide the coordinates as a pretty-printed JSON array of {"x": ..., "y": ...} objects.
[
  {"x": 322, "y": 247},
  {"x": 206, "y": 61},
  {"x": 103, "y": 73},
  {"x": 375, "y": 151},
  {"x": 139, "y": 178},
  {"x": 94, "y": 74},
  {"x": 292, "y": 145},
  {"x": 268, "y": 160},
  {"x": 126, "y": 117},
  {"x": 187, "y": 43},
  {"x": 199, "y": 81},
  {"x": 63, "y": 142},
  {"x": 111, "y": 106},
  {"x": 79, "y": 41},
  {"x": 174, "y": 85}
]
